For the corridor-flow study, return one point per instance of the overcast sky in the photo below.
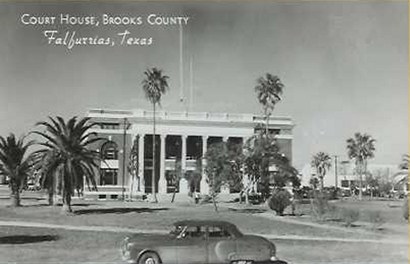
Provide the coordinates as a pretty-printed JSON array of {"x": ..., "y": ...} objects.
[{"x": 344, "y": 66}]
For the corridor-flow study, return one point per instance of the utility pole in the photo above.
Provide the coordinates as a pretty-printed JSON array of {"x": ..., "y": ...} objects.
[
  {"x": 336, "y": 183},
  {"x": 124, "y": 157}
]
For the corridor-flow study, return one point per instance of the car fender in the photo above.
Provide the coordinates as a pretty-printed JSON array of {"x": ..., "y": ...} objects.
[{"x": 147, "y": 250}]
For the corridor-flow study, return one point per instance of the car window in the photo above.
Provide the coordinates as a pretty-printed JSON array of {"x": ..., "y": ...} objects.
[
  {"x": 193, "y": 231},
  {"x": 217, "y": 231}
]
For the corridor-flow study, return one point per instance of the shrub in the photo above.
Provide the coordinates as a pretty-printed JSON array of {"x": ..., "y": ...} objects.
[
  {"x": 279, "y": 200},
  {"x": 376, "y": 219},
  {"x": 349, "y": 216},
  {"x": 319, "y": 206}
]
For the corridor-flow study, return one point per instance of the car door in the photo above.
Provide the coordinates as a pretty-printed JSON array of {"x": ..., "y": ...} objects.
[
  {"x": 221, "y": 246},
  {"x": 191, "y": 246}
]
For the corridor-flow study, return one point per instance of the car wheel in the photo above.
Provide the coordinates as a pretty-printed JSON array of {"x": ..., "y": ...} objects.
[{"x": 149, "y": 258}]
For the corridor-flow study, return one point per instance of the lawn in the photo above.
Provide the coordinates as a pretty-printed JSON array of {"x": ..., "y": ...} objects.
[
  {"x": 40, "y": 245},
  {"x": 146, "y": 216}
]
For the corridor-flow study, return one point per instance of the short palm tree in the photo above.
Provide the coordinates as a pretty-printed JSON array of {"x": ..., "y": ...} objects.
[
  {"x": 16, "y": 164},
  {"x": 268, "y": 91},
  {"x": 322, "y": 162},
  {"x": 154, "y": 85},
  {"x": 69, "y": 161},
  {"x": 361, "y": 148},
  {"x": 404, "y": 165}
]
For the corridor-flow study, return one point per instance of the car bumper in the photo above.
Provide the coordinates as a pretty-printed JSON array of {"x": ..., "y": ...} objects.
[{"x": 262, "y": 262}]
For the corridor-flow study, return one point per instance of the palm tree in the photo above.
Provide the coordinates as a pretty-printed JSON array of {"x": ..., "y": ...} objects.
[
  {"x": 154, "y": 85},
  {"x": 361, "y": 148},
  {"x": 322, "y": 162},
  {"x": 268, "y": 91},
  {"x": 69, "y": 160},
  {"x": 16, "y": 164},
  {"x": 404, "y": 165}
]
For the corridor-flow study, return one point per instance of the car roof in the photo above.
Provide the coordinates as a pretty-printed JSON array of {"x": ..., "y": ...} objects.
[{"x": 204, "y": 223}]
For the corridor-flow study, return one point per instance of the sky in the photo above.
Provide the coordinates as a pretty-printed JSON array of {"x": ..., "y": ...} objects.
[{"x": 344, "y": 65}]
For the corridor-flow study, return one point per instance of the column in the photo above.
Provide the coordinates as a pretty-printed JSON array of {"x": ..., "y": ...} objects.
[
  {"x": 204, "y": 185},
  {"x": 183, "y": 183},
  {"x": 141, "y": 163},
  {"x": 162, "y": 184}
]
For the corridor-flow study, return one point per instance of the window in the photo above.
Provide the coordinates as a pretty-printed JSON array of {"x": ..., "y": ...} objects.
[
  {"x": 345, "y": 183},
  {"x": 109, "y": 177},
  {"x": 216, "y": 231},
  {"x": 191, "y": 231},
  {"x": 109, "y": 125},
  {"x": 109, "y": 151}
]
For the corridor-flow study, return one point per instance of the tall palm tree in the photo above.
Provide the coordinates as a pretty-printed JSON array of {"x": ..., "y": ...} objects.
[
  {"x": 361, "y": 148},
  {"x": 16, "y": 164},
  {"x": 268, "y": 91},
  {"x": 69, "y": 161},
  {"x": 322, "y": 162},
  {"x": 154, "y": 85}
]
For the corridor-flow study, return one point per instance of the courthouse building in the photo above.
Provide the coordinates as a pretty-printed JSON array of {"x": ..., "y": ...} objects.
[{"x": 182, "y": 136}]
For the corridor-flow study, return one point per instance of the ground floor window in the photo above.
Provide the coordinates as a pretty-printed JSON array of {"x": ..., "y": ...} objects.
[{"x": 109, "y": 177}]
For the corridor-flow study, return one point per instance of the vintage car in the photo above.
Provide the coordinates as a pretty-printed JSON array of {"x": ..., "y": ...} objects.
[{"x": 199, "y": 242}]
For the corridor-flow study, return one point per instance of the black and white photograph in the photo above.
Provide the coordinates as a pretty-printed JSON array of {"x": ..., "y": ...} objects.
[{"x": 204, "y": 132}]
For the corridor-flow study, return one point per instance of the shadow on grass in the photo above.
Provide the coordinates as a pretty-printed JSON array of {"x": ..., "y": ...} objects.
[
  {"x": 56, "y": 205},
  {"x": 121, "y": 210},
  {"x": 248, "y": 210},
  {"x": 21, "y": 239}
]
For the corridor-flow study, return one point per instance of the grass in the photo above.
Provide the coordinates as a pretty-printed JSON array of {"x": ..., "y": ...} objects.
[
  {"x": 142, "y": 215},
  {"x": 40, "y": 245},
  {"x": 102, "y": 247}
]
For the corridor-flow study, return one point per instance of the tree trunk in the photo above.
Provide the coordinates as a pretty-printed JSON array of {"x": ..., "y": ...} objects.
[
  {"x": 50, "y": 197},
  {"x": 174, "y": 194},
  {"x": 321, "y": 184},
  {"x": 361, "y": 181},
  {"x": 267, "y": 123},
  {"x": 214, "y": 202},
  {"x": 153, "y": 181},
  {"x": 67, "y": 203},
  {"x": 15, "y": 198},
  {"x": 247, "y": 197}
]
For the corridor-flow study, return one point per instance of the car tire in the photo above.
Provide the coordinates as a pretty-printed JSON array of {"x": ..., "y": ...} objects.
[{"x": 149, "y": 258}]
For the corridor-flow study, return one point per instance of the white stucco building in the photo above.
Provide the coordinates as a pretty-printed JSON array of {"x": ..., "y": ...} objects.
[{"x": 183, "y": 136}]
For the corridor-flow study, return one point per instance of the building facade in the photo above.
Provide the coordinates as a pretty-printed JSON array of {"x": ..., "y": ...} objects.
[{"x": 182, "y": 139}]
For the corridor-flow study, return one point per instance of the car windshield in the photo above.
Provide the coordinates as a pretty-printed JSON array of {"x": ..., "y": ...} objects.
[{"x": 177, "y": 230}]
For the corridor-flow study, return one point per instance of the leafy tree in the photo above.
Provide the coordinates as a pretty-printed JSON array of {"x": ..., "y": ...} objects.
[
  {"x": 176, "y": 176},
  {"x": 372, "y": 183},
  {"x": 322, "y": 162},
  {"x": 361, "y": 148},
  {"x": 314, "y": 182},
  {"x": 268, "y": 91},
  {"x": 16, "y": 164},
  {"x": 69, "y": 159},
  {"x": 154, "y": 85},
  {"x": 261, "y": 152},
  {"x": 221, "y": 168},
  {"x": 133, "y": 167}
]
